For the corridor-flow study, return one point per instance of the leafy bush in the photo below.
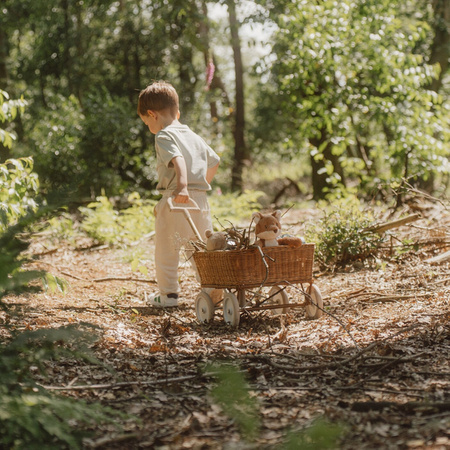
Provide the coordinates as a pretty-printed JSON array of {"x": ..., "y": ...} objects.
[
  {"x": 340, "y": 237},
  {"x": 18, "y": 188},
  {"x": 30, "y": 416},
  {"x": 109, "y": 145},
  {"x": 105, "y": 223},
  {"x": 55, "y": 140},
  {"x": 8, "y": 111},
  {"x": 108, "y": 225}
]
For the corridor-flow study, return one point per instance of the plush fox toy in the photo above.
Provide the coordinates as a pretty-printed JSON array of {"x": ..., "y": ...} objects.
[{"x": 268, "y": 230}]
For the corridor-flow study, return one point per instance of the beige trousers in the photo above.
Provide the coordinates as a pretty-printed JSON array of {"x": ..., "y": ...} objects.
[{"x": 172, "y": 233}]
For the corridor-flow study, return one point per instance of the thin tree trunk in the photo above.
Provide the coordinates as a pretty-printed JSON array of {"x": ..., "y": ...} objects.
[
  {"x": 440, "y": 48},
  {"x": 4, "y": 151},
  {"x": 208, "y": 54},
  {"x": 440, "y": 54},
  {"x": 240, "y": 150}
]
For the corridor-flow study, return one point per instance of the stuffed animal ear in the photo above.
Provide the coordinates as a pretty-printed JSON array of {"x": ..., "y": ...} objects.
[
  {"x": 256, "y": 217},
  {"x": 208, "y": 233},
  {"x": 277, "y": 214}
]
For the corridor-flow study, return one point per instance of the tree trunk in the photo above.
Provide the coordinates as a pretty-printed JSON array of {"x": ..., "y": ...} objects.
[
  {"x": 216, "y": 82},
  {"x": 320, "y": 181},
  {"x": 4, "y": 151},
  {"x": 3, "y": 56},
  {"x": 440, "y": 48},
  {"x": 240, "y": 150}
]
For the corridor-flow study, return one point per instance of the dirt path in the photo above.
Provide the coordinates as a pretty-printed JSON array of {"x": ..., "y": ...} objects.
[{"x": 384, "y": 379}]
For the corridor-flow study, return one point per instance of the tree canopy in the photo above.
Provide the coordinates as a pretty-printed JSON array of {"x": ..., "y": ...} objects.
[{"x": 358, "y": 89}]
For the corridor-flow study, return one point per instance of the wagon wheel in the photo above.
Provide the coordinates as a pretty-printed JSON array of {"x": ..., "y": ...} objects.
[
  {"x": 231, "y": 314},
  {"x": 204, "y": 307},
  {"x": 278, "y": 296},
  {"x": 314, "y": 302}
]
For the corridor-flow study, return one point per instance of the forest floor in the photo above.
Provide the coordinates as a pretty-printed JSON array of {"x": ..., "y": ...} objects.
[{"x": 376, "y": 365}]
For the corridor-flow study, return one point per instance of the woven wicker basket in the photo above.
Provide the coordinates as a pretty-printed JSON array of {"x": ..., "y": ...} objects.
[{"x": 246, "y": 268}]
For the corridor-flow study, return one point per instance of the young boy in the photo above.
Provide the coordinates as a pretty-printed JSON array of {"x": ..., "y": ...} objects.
[{"x": 186, "y": 166}]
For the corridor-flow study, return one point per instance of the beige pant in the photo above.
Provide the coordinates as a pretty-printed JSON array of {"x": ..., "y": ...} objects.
[{"x": 172, "y": 233}]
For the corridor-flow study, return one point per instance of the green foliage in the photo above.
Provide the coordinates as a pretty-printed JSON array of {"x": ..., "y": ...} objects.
[
  {"x": 8, "y": 111},
  {"x": 108, "y": 225},
  {"x": 30, "y": 417},
  {"x": 109, "y": 144},
  {"x": 18, "y": 188},
  {"x": 339, "y": 234},
  {"x": 37, "y": 420},
  {"x": 349, "y": 78},
  {"x": 55, "y": 142},
  {"x": 232, "y": 394},
  {"x": 321, "y": 435},
  {"x": 61, "y": 228},
  {"x": 234, "y": 207},
  {"x": 12, "y": 277}
]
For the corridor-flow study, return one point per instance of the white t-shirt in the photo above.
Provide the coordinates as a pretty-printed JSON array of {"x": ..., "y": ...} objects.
[{"x": 180, "y": 140}]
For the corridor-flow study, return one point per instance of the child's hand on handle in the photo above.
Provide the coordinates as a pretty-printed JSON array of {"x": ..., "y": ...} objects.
[{"x": 180, "y": 196}]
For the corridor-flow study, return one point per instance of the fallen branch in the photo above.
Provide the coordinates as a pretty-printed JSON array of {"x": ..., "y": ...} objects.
[
  {"x": 393, "y": 298},
  {"x": 120, "y": 384},
  {"x": 439, "y": 258},
  {"x": 409, "y": 407},
  {"x": 67, "y": 274},
  {"x": 290, "y": 369},
  {"x": 108, "y": 440},
  {"x": 381, "y": 228},
  {"x": 99, "y": 280},
  {"x": 387, "y": 366}
]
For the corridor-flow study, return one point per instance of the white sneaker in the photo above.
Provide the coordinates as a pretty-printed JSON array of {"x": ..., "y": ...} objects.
[{"x": 161, "y": 300}]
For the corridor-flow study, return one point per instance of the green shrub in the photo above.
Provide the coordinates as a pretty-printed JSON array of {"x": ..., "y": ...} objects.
[
  {"x": 30, "y": 416},
  {"x": 55, "y": 143},
  {"x": 108, "y": 225},
  {"x": 8, "y": 111},
  {"x": 18, "y": 188},
  {"x": 339, "y": 235}
]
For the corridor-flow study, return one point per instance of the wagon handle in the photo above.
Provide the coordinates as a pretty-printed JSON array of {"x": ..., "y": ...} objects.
[{"x": 190, "y": 206}]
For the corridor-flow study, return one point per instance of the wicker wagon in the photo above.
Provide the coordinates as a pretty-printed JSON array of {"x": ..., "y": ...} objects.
[
  {"x": 245, "y": 276},
  {"x": 244, "y": 273}
]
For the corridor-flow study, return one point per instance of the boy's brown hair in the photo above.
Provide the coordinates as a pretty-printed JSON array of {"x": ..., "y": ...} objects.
[{"x": 158, "y": 96}]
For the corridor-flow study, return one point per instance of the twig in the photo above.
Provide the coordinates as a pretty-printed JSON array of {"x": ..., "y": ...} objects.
[
  {"x": 423, "y": 194},
  {"x": 107, "y": 440},
  {"x": 341, "y": 363},
  {"x": 67, "y": 274},
  {"x": 389, "y": 364},
  {"x": 394, "y": 298},
  {"x": 290, "y": 207},
  {"x": 409, "y": 407},
  {"x": 98, "y": 280},
  {"x": 121, "y": 384}
]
